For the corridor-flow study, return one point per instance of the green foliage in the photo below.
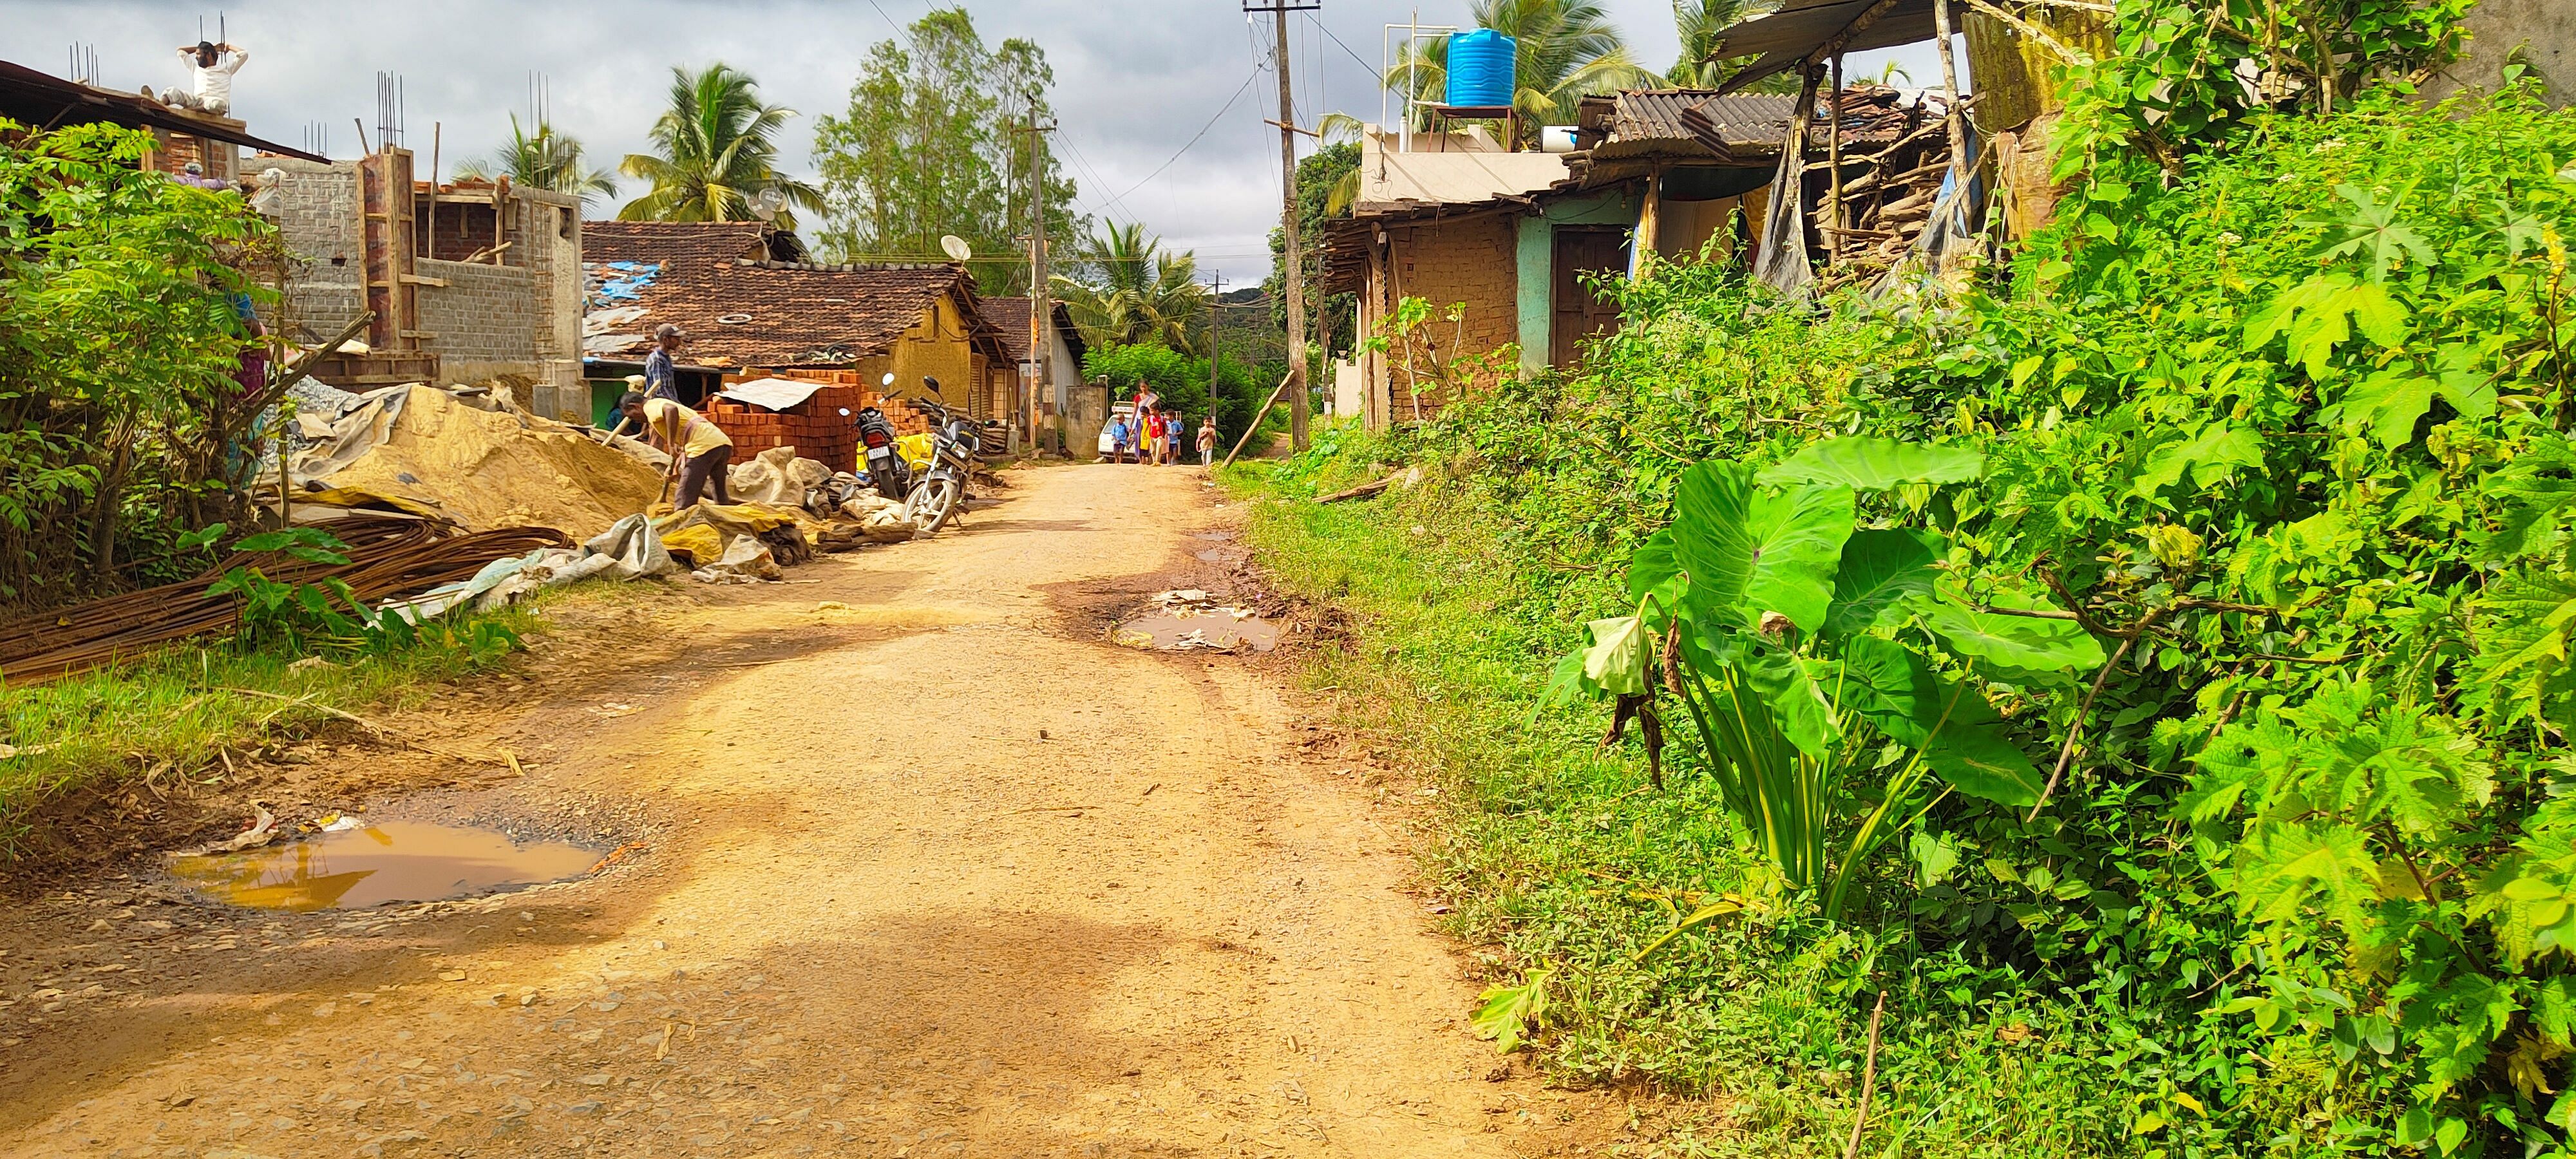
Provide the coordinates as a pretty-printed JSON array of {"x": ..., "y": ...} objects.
[
  {"x": 2276, "y": 472},
  {"x": 120, "y": 422},
  {"x": 1182, "y": 381},
  {"x": 716, "y": 150},
  {"x": 1124, "y": 288},
  {"x": 545, "y": 159},
  {"x": 935, "y": 142}
]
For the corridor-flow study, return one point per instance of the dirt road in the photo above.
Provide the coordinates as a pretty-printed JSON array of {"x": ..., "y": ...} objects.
[{"x": 879, "y": 914}]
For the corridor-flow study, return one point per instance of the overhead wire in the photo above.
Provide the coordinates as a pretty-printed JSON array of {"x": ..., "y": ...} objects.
[{"x": 1194, "y": 138}]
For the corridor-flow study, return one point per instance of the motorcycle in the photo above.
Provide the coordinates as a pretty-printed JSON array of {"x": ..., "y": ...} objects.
[
  {"x": 886, "y": 470},
  {"x": 942, "y": 489}
]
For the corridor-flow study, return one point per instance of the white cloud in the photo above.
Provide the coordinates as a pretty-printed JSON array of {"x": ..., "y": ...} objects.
[{"x": 1134, "y": 79}]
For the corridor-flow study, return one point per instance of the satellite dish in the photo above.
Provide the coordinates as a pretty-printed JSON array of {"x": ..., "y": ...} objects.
[
  {"x": 956, "y": 246},
  {"x": 766, "y": 204}
]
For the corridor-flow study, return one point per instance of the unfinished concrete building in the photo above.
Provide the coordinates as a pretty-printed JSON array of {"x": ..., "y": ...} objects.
[{"x": 469, "y": 281}]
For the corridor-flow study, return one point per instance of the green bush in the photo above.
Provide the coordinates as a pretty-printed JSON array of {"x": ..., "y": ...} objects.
[
  {"x": 2284, "y": 422},
  {"x": 119, "y": 417}
]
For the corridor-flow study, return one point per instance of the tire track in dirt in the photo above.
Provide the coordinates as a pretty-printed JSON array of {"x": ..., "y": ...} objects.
[{"x": 881, "y": 916}]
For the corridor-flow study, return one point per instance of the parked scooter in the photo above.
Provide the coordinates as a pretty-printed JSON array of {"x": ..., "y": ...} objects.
[
  {"x": 886, "y": 470},
  {"x": 941, "y": 490}
]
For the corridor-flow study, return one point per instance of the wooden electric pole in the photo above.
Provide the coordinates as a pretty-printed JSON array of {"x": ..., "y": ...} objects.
[{"x": 1292, "y": 272}]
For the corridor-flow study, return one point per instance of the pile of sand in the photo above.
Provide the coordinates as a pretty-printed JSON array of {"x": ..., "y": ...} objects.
[{"x": 488, "y": 469}]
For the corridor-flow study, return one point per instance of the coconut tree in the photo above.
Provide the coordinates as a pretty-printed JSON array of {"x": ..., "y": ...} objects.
[
  {"x": 716, "y": 149},
  {"x": 1563, "y": 51},
  {"x": 544, "y": 159},
  {"x": 1127, "y": 289},
  {"x": 1699, "y": 22}
]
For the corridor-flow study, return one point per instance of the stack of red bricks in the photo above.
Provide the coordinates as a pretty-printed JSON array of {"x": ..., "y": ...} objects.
[{"x": 815, "y": 427}]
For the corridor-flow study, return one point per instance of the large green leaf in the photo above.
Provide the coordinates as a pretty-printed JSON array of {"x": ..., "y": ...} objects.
[
  {"x": 1790, "y": 684},
  {"x": 1752, "y": 550},
  {"x": 1961, "y": 737},
  {"x": 1872, "y": 464},
  {"x": 2021, "y": 642},
  {"x": 1880, "y": 570},
  {"x": 1654, "y": 572}
]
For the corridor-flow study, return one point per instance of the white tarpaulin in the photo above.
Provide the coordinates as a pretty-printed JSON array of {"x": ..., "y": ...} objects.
[{"x": 774, "y": 393}]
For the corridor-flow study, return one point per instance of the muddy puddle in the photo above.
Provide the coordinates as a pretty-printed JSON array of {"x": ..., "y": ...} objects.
[
  {"x": 1184, "y": 620},
  {"x": 389, "y": 861}
]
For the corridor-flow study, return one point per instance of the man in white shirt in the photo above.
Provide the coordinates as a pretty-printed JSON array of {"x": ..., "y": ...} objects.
[{"x": 210, "y": 88}]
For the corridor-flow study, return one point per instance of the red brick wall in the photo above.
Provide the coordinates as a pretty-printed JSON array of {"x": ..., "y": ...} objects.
[{"x": 815, "y": 427}]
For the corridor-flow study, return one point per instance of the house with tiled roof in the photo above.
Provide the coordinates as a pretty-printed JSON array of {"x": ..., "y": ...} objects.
[{"x": 753, "y": 307}]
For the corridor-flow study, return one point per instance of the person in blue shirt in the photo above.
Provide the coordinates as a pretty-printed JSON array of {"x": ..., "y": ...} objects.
[
  {"x": 661, "y": 378},
  {"x": 1118, "y": 439}
]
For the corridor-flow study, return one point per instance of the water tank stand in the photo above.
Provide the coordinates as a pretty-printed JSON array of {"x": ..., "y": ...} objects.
[{"x": 1509, "y": 116}]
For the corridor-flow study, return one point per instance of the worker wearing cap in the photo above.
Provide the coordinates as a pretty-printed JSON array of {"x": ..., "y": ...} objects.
[
  {"x": 696, "y": 446},
  {"x": 661, "y": 378}
]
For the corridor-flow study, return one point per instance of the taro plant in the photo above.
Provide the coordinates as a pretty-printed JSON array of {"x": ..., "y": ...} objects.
[
  {"x": 293, "y": 616},
  {"x": 1833, "y": 681}
]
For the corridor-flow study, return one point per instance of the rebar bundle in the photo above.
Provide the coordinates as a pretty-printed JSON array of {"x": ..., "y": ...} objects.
[{"x": 388, "y": 557}]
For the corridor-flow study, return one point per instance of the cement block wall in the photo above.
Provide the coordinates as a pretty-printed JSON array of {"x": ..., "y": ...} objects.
[
  {"x": 522, "y": 316},
  {"x": 483, "y": 313},
  {"x": 316, "y": 211}
]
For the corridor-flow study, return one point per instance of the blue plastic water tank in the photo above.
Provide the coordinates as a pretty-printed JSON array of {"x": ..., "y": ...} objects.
[{"x": 1480, "y": 68}]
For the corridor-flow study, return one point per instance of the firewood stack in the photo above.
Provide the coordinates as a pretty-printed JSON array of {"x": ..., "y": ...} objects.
[{"x": 1895, "y": 150}]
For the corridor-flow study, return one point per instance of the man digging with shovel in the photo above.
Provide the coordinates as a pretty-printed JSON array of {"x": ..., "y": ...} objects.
[{"x": 689, "y": 439}]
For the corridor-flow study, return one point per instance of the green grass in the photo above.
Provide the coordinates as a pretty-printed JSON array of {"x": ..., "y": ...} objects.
[
  {"x": 173, "y": 715},
  {"x": 1559, "y": 855}
]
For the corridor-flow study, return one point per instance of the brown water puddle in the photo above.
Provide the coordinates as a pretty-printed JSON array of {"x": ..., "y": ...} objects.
[{"x": 389, "y": 861}]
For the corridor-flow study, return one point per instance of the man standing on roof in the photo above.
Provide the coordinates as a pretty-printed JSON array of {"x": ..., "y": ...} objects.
[
  {"x": 661, "y": 378},
  {"x": 689, "y": 439},
  {"x": 210, "y": 88}
]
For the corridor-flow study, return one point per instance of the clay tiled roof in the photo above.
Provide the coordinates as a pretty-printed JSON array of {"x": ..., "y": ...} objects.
[
  {"x": 718, "y": 282},
  {"x": 1010, "y": 318}
]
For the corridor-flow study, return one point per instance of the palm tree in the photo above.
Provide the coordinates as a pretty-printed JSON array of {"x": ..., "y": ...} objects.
[
  {"x": 1699, "y": 22},
  {"x": 1128, "y": 289},
  {"x": 1563, "y": 51},
  {"x": 717, "y": 152},
  {"x": 544, "y": 159}
]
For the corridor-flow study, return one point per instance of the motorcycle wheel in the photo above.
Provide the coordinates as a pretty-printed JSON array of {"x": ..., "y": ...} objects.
[{"x": 932, "y": 503}]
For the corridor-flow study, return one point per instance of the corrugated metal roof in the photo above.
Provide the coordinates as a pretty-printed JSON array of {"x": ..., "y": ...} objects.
[{"x": 1799, "y": 27}]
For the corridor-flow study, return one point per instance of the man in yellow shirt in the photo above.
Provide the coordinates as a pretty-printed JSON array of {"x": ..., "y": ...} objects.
[{"x": 689, "y": 438}]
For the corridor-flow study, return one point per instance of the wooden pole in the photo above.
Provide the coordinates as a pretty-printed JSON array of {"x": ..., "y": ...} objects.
[
  {"x": 1869, "y": 1068},
  {"x": 1950, "y": 88},
  {"x": 1293, "y": 269},
  {"x": 1834, "y": 171},
  {"x": 1257, "y": 416}
]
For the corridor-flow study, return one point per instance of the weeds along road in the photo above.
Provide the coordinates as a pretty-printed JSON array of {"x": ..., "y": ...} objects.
[{"x": 879, "y": 914}]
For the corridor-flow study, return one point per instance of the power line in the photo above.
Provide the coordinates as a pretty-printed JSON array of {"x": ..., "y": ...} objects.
[
  {"x": 898, "y": 29},
  {"x": 1328, "y": 33},
  {"x": 1194, "y": 138}
]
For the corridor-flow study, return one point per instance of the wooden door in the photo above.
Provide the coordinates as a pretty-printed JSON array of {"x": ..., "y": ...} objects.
[{"x": 1579, "y": 313}]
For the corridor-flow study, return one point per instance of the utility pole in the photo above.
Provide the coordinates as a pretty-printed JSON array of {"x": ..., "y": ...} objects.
[
  {"x": 1041, "y": 308},
  {"x": 1292, "y": 273},
  {"x": 1213, "y": 296}
]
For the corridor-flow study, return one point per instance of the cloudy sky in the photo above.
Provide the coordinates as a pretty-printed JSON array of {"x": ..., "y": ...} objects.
[{"x": 1135, "y": 79}]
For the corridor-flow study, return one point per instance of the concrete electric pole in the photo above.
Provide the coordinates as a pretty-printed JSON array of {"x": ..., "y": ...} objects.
[
  {"x": 1214, "y": 296},
  {"x": 1292, "y": 274},
  {"x": 1040, "y": 374}
]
